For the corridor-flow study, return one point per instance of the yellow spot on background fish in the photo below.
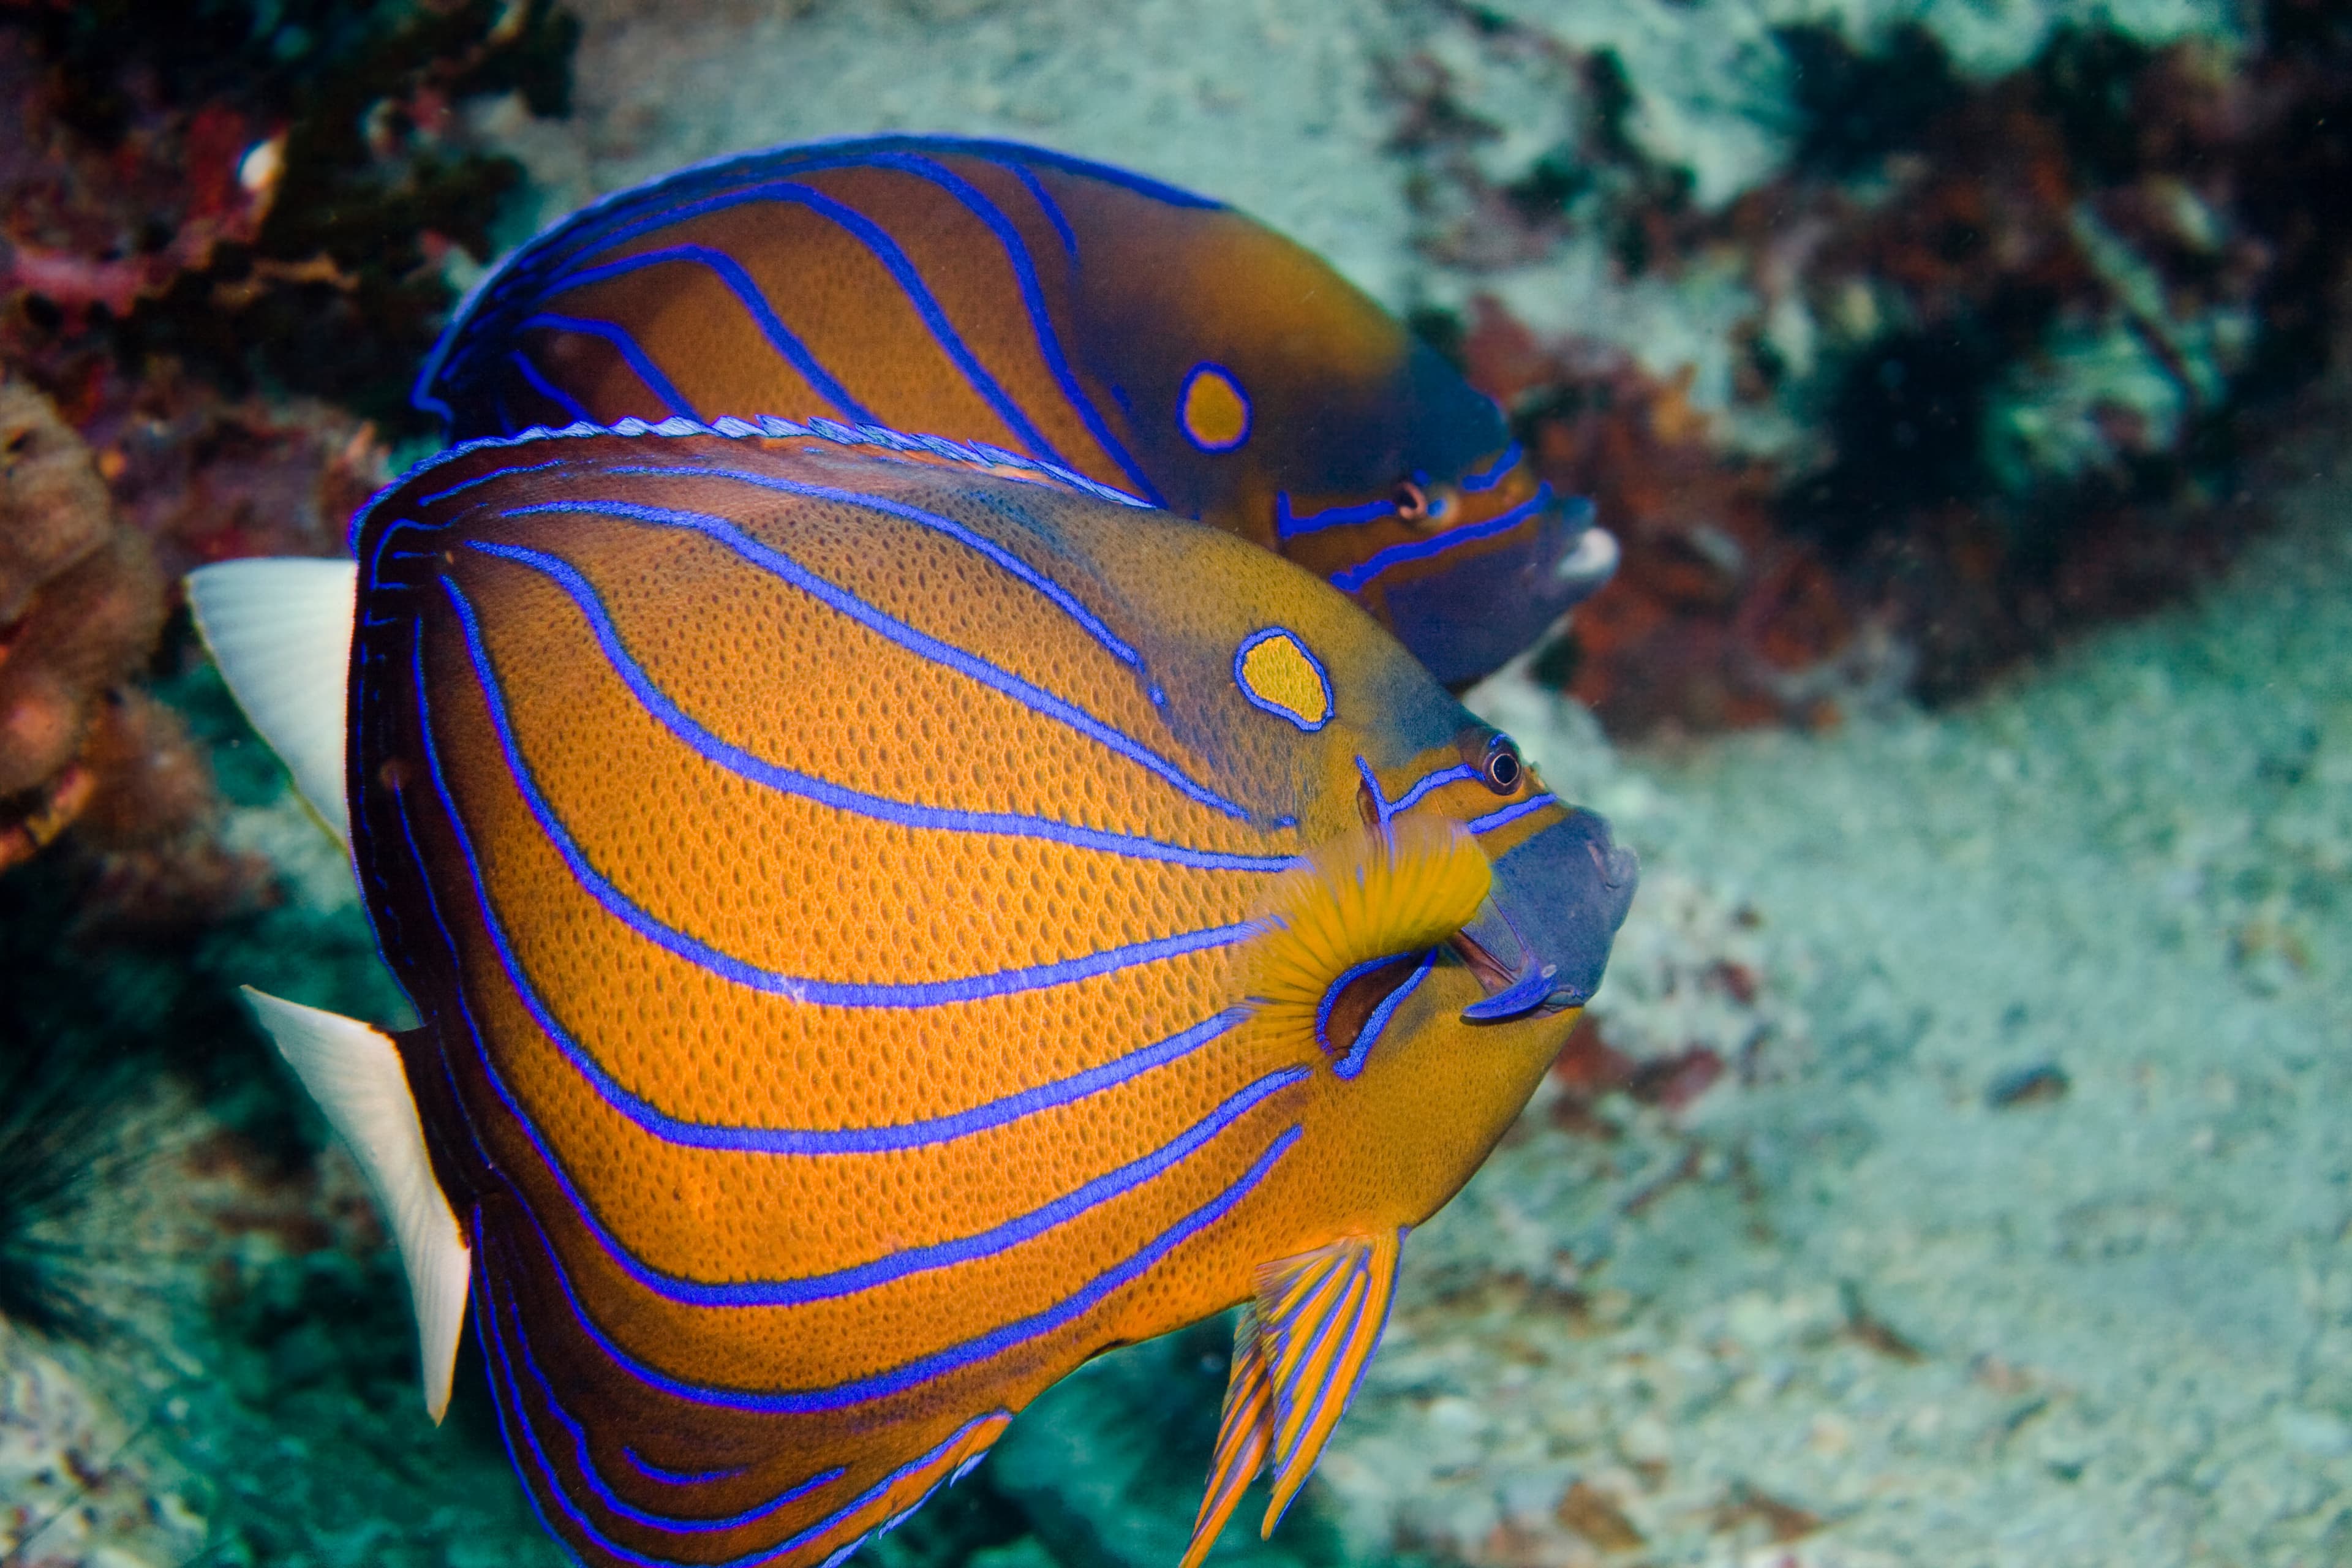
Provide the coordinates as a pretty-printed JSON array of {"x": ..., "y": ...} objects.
[
  {"x": 1216, "y": 413},
  {"x": 1277, "y": 673}
]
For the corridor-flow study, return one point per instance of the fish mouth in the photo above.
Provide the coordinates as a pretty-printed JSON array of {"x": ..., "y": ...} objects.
[{"x": 1539, "y": 943}]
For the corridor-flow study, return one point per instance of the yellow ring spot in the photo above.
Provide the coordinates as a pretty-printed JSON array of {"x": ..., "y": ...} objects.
[
  {"x": 1279, "y": 675},
  {"x": 1216, "y": 415}
]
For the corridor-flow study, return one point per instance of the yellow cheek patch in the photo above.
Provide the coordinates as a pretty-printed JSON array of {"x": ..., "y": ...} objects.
[
  {"x": 1371, "y": 894},
  {"x": 1214, "y": 412},
  {"x": 1276, "y": 672}
]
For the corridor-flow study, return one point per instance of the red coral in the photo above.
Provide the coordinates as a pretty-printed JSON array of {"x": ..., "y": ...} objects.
[{"x": 85, "y": 225}]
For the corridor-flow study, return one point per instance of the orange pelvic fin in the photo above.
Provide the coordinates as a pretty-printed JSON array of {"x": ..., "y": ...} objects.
[{"x": 1299, "y": 1350}]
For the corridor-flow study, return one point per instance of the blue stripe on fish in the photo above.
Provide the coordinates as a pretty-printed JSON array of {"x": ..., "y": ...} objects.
[
  {"x": 1033, "y": 299},
  {"x": 926, "y": 1369},
  {"x": 754, "y": 300},
  {"x": 884, "y": 249},
  {"x": 765, "y": 1140},
  {"x": 1289, "y": 525},
  {"x": 840, "y": 797},
  {"x": 1488, "y": 478},
  {"x": 979, "y": 544},
  {"x": 488, "y": 1326},
  {"x": 668, "y": 1524},
  {"x": 798, "y": 987},
  {"x": 625, "y": 345},
  {"x": 670, "y": 1478},
  {"x": 539, "y": 384},
  {"x": 921, "y": 644},
  {"x": 850, "y": 1281}
]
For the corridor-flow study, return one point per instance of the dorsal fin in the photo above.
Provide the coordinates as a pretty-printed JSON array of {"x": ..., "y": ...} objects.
[
  {"x": 1299, "y": 1350},
  {"x": 280, "y": 631},
  {"x": 354, "y": 1073}
]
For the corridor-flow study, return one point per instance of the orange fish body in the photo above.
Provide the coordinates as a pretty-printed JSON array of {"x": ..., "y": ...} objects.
[
  {"x": 1064, "y": 311},
  {"x": 878, "y": 947}
]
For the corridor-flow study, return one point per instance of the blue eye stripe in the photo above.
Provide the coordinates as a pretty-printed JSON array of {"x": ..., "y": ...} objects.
[
  {"x": 1511, "y": 813},
  {"x": 622, "y": 343},
  {"x": 1371, "y": 566},
  {"x": 1490, "y": 478},
  {"x": 1289, "y": 525},
  {"x": 1458, "y": 773},
  {"x": 777, "y": 563},
  {"x": 749, "y": 294}
]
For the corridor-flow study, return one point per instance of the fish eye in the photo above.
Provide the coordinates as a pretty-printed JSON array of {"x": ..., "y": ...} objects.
[{"x": 1503, "y": 768}]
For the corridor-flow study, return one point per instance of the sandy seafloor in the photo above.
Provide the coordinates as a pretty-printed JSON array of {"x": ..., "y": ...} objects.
[{"x": 1839, "y": 1309}]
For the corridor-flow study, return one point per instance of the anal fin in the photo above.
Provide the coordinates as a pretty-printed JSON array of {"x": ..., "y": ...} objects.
[
  {"x": 1300, "y": 1351},
  {"x": 355, "y": 1074}
]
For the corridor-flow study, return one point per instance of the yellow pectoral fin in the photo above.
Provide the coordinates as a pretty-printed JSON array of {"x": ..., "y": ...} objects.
[
  {"x": 1373, "y": 894},
  {"x": 1300, "y": 1351},
  {"x": 1243, "y": 1435}
]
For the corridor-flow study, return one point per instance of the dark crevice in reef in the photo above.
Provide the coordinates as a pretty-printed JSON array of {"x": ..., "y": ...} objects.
[{"x": 325, "y": 281}]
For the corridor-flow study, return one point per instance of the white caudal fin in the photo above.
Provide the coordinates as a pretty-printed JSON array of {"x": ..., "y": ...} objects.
[
  {"x": 280, "y": 631},
  {"x": 354, "y": 1074}
]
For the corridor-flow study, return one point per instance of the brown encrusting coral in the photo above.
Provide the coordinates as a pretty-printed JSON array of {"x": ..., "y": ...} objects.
[
  {"x": 82, "y": 746},
  {"x": 81, "y": 604}
]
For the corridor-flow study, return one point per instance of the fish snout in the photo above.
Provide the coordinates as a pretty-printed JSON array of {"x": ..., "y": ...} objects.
[{"x": 1540, "y": 941}]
